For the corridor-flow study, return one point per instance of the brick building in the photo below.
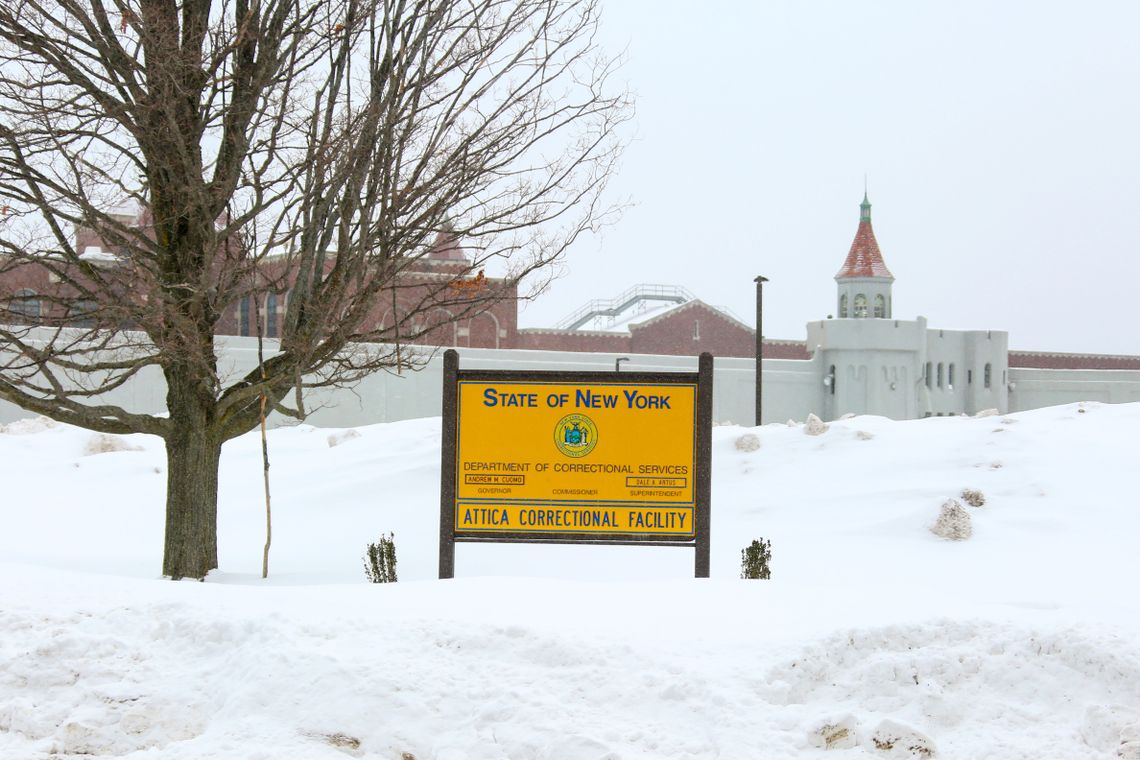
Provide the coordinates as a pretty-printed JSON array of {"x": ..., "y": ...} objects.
[
  {"x": 439, "y": 291},
  {"x": 645, "y": 319}
]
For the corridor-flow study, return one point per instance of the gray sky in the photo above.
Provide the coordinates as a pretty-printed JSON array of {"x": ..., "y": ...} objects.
[{"x": 1001, "y": 141}]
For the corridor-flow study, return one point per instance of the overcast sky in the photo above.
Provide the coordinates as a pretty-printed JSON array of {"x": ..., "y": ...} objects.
[{"x": 1001, "y": 141}]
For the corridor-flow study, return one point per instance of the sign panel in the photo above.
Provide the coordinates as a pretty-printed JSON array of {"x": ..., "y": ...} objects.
[
  {"x": 570, "y": 443},
  {"x": 582, "y": 457}
]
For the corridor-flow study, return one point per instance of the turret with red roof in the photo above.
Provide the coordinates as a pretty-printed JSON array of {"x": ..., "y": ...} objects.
[{"x": 864, "y": 280}]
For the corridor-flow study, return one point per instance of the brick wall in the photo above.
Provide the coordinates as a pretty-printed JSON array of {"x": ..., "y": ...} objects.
[
  {"x": 572, "y": 340},
  {"x": 692, "y": 329}
]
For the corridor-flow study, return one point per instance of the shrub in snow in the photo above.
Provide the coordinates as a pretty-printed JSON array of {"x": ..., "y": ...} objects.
[
  {"x": 748, "y": 442},
  {"x": 893, "y": 739},
  {"x": 815, "y": 426},
  {"x": 343, "y": 741},
  {"x": 973, "y": 498},
  {"x": 838, "y": 734},
  {"x": 848, "y": 416},
  {"x": 755, "y": 559},
  {"x": 337, "y": 439},
  {"x": 953, "y": 522},
  {"x": 380, "y": 560},
  {"x": 987, "y": 413},
  {"x": 792, "y": 423},
  {"x": 863, "y": 435},
  {"x": 103, "y": 444}
]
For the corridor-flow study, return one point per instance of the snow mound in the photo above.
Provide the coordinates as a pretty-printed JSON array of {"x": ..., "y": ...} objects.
[
  {"x": 968, "y": 687},
  {"x": 815, "y": 426},
  {"x": 842, "y": 733},
  {"x": 748, "y": 442},
  {"x": 343, "y": 436},
  {"x": 29, "y": 425},
  {"x": 893, "y": 739},
  {"x": 102, "y": 443}
]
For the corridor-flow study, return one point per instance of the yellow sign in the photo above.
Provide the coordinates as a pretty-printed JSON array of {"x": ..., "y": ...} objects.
[
  {"x": 576, "y": 457},
  {"x": 574, "y": 518}
]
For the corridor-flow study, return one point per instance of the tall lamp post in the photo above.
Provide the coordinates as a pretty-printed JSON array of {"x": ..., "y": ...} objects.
[{"x": 760, "y": 280}]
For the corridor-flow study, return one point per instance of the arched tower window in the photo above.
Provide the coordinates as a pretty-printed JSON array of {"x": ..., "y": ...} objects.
[
  {"x": 987, "y": 375},
  {"x": 860, "y": 306},
  {"x": 939, "y": 374},
  {"x": 880, "y": 307},
  {"x": 950, "y": 376},
  {"x": 843, "y": 306}
]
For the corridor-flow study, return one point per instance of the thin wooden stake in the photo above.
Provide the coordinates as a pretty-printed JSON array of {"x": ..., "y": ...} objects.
[{"x": 268, "y": 511}]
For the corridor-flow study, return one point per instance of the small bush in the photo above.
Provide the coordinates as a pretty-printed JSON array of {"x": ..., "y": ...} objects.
[
  {"x": 380, "y": 560},
  {"x": 953, "y": 522},
  {"x": 973, "y": 498},
  {"x": 755, "y": 560}
]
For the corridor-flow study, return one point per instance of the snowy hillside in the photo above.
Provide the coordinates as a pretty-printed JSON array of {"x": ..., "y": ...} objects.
[{"x": 873, "y": 639}]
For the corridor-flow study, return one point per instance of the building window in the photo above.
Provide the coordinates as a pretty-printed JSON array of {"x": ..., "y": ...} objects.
[
  {"x": 929, "y": 374},
  {"x": 82, "y": 313},
  {"x": 950, "y": 376},
  {"x": 843, "y": 306},
  {"x": 860, "y": 306},
  {"x": 271, "y": 315},
  {"x": 244, "y": 316},
  {"x": 969, "y": 377},
  {"x": 25, "y": 306},
  {"x": 696, "y": 329},
  {"x": 939, "y": 374},
  {"x": 986, "y": 375},
  {"x": 831, "y": 379},
  {"x": 880, "y": 307}
]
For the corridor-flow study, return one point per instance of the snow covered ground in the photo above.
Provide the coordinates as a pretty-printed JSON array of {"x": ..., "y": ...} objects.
[{"x": 873, "y": 634}]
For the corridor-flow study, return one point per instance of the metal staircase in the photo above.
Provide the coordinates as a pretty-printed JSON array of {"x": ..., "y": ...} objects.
[{"x": 613, "y": 307}]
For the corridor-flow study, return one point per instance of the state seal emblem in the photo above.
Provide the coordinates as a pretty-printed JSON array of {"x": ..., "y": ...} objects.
[{"x": 575, "y": 435}]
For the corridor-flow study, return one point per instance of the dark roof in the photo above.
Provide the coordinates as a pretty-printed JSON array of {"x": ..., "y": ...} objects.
[
  {"x": 786, "y": 349},
  {"x": 1050, "y": 360}
]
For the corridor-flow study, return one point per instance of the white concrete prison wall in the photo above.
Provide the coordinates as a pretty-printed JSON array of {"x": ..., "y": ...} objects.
[
  {"x": 792, "y": 388},
  {"x": 1037, "y": 388}
]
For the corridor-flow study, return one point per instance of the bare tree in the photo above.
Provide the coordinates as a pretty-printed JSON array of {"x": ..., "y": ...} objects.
[{"x": 223, "y": 150}]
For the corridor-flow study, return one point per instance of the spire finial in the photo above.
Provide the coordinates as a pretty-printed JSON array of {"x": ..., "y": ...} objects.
[{"x": 865, "y": 206}]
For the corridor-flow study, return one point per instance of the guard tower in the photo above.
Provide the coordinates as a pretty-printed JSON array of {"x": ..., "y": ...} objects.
[{"x": 864, "y": 280}]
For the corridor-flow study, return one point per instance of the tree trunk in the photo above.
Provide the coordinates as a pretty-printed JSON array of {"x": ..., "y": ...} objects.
[{"x": 193, "y": 454}]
